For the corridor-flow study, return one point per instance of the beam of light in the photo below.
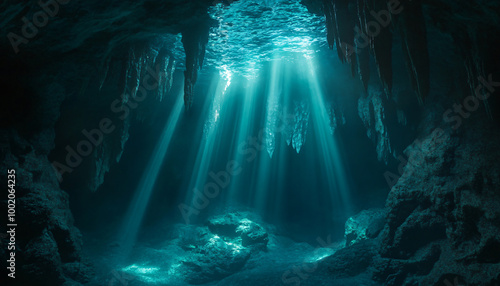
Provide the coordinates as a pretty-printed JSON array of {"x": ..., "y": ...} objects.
[
  {"x": 221, "y": 88},
  {"x": 136, "y": 211},
  {"x": 205, "y": 151},
  {"x": 245, "y": 128},
  {"x": 266, "y": 170},
  {"x": 278, "y": 168},
  {"x": 332, "y": 162}
]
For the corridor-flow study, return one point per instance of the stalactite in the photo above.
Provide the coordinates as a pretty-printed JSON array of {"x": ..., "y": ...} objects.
[
  {"x": 164, "y": 64},
  {"x": 133, "y": 72},
  {"x": 382, "y": 52},
  {"x": 300, "y": 128},
  {"x": 148, "y": 61},
  {"x": 363, "y": 61},
  {"x": 122, "y": 81},
  {"x": 414, "y": 35},
  {"x": 103, "y": 71},
  {"x": 170, "y": 72},
  {"x": 194, "y": 41},
  {"x": 345, "y": 28},
  {"x": 372, "y": 112},
  {"x": 336, "y": 117},
  {"x": 362, "y": 44},
  {"x": 474, "y": 66},
  {"x": 382, "y": 46},
  {"x": 331, "y": 22}
]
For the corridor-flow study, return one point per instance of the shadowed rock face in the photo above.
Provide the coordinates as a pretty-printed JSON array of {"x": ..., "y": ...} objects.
[
  {"x": 365, "y": 225},
  {"x": 93, "y": 53},
  {"x": 88, "y": 53},
  {"x": 447, "y": 203},
  {"x": 48, "y": 245},
  {"x": 356, "y": 27}
]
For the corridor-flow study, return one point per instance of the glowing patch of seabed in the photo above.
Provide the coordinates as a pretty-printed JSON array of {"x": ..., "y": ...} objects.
[
  {"x": 147, "y": 274},
  {"x": 332, "y": 161},
  {"x": 321, "y": 253},
  {"x": 142, "y": 195},
  {"x": 140, "y": 269}
]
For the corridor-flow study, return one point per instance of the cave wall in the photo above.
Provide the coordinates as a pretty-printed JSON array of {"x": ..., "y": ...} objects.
[
  {"x": 444, "y": 211},
  {"x": 442, "y": 226},
  {"x": 66, "y": 68}
]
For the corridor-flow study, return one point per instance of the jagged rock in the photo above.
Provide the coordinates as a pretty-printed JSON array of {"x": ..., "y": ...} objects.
[
  {"x": 215, "y": 260},
  {"x": 78, "y": 271},
  {"x": 69, "y": 240},
  {"x": 367, "y": 224},
  {"x": 395, "y": 271},
  {"x": 42, "y": 263},
  {"x": 51, "y": 239},
  {"x": 252, "y": 234},
  {"x": 237, "y": 225},
  {"x": 414, "y": 35},
  {"x": 371, "y": 110},
  {"x": 191, "y": 236},
  {"x": 446, "y": 197},
  {"x": 351, "y": 260},
  {"x": 363, "y": 60},
  {"x": 331, "y": 23},
  {"x": 224, "y": 225},
  {"x": 195, "y": 40},
  {"x": 382, "y": 52},
  {"x": 419, "y": 229},
  {"x": 219, "y": 249}
]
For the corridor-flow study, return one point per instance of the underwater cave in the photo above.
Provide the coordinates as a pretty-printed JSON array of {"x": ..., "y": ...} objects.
[{"x": 250, "y": 142}]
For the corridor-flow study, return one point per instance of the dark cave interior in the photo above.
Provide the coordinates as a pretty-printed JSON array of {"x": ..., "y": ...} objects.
[{"x": 247, "y": 142}]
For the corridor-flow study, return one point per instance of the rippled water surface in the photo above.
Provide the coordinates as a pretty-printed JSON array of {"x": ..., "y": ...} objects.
[{"x": 251, "y": 32}]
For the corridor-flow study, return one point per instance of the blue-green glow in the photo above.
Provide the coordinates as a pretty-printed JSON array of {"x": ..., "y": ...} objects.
[
  {"x": 219, "y": 88},
  {"x": 138, "y": 205},
  {"x": 332, "y": 162},
  {"x": 245, "y": 127}
]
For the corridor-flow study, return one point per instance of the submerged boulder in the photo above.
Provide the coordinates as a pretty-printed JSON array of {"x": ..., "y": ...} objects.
[
  {"x": 213, "y": 261},
  {"x": 219, "y": 249},
  {"x": 444, "y": 212},
  {"x": 224, "y": 224},
  {"x": 365, "y": 225},
  {"x": 252, "y": 234},
  {"x": 351, "y": 260},
  {"x": 234, "y": 225}
]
